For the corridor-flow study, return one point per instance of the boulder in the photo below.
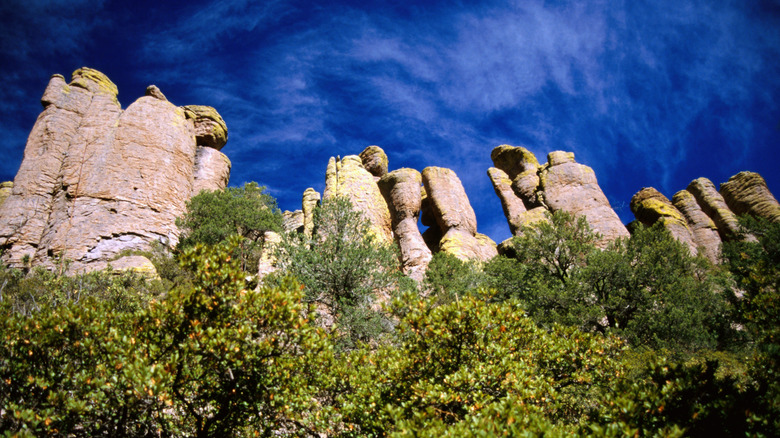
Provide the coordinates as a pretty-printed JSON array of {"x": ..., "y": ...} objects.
[
  {"x": 747, "y": 193},
  {"x": 513, "y": 160},
  {"x": 403, "y": 192},
  {"x": 448, "y": 200},
  {"x": 347, "y": 177},
  {"x": 210, "y": 129},
  {"x": 650, "y": 206},
  {"x": 705, "y": 233},
  {"x": 97, "y": 180},
  {"x": 374, "y": 160}
]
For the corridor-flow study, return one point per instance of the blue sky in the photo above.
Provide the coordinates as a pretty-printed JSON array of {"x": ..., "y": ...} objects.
[{"x": 647, "y": 93}]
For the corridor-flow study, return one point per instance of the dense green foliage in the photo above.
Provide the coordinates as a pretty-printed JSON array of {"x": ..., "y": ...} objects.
[
  {"x": 213, "y": 216},
  {"x": 343, "y": 268},
  {"x": 560, "y": 339}
]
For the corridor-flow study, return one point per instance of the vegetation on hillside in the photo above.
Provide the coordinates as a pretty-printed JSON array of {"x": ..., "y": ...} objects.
[{"x": 560, "y": 339}]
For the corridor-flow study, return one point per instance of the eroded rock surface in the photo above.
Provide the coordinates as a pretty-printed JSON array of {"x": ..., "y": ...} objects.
[
  {"x": 560, "y": 184},
  {"x": 402, "y": 190},
  {"x": 347, "y": 177},
  {"x": 651, "y": 206},
  {"x": 747, "y": 193},
  {"x": 96, "y": 180},
  {"x": 455, "y": 217},
  {"x": 712, "y": 203},
  {"x": 703, "y": 229}
]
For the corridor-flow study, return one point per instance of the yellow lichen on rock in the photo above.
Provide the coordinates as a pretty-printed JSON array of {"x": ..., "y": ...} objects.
[
  {"x": 210, "y": 128},
  {"x": 94, "y": 81},
  {"x": 747, "y": 193}
]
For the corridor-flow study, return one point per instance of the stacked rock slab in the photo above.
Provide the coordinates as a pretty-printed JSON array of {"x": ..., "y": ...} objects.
[
  {"x": 310, "y": 201},
  {"x": 454, "y": 216},
  {"x": 561, "y": 184},
  {"x": 402, "y": 190},
  {"x": 96, "y": 180},
  {"x": 347, "y": 177},
  {"x": 650, "y": 206}
]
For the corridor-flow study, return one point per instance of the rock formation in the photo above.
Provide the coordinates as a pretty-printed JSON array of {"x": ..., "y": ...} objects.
[
  {"x": 747, "y": 193},
  {"x": 96, "y": 179},
  {"x": 705, "y": 233},
  {"x": 402, "y": 190},
  {"x": 561, "y": 184},
  {"x": 709, "y": 216},
  {"x": 454, "y": 216},
  {"x": 712, "y": 203},
  {"x": 311, "y": 199},
  {"x": 650, "y": 206},
  {"x": 347, "y": 177}
]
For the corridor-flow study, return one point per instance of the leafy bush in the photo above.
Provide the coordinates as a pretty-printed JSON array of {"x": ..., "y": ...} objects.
[
  {"x": 213, "y": 216},
  {"x": 344, "y": 269},
  {"x": 212, "y": 360},
  {"x": 464, "y": 365}
]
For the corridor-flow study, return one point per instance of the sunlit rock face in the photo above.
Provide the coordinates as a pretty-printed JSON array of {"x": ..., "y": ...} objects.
[
  {"x": 527, "y": 190},
  {"x": 703, "y": 217},
  {"x": 96, "y": 179}
]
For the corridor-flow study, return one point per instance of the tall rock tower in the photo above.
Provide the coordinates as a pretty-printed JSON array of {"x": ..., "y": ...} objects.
[{"x": 96, "y": 179}]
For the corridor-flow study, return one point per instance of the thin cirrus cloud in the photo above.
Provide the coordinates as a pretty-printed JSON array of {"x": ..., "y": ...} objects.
[{"x": 647, "y": 94}]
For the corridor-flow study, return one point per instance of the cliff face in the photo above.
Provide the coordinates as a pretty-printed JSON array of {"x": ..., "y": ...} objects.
[{"x": 97, "y": 179}]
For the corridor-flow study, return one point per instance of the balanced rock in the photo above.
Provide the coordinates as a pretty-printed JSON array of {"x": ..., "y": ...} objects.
[
  {"x": 210, "y": 129},
  {"x": 560, "y": 184},
  {"x": 455, "y": 217},
  {"x": 374, "y": 160},
  {"x": 402, "y": 189},
  {"x": 747, "y": 193},
  {"x": 97, "y": 180},
  {"x": 705, "y": 233},
  {"x": 348, "y": 178},
  {"x": 650, "y": 206}
]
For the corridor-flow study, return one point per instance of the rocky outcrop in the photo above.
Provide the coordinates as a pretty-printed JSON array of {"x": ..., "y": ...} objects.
[
  {"x": 747, "y": 193},
  {"x": 650, "y": 206},
  {"x": 267, "y": 262},
  {"x": 348, "y": 178},
  {"x": 712, "y": 203},
  {"x": 96, "y": 179},
  {"x": 705, "y": 233},
  {"x": 454, "y": 216},
  {"x": 561, "y": 184},
  {"x": 709, "y": 216},
  {"x": 402, "y": 190},
  {"x": 292, "y": 221},
  {"x": 311, "y": 199}
]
